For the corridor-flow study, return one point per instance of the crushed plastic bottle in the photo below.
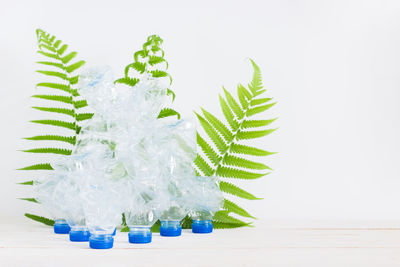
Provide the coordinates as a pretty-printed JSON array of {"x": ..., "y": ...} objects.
[
  {"x": 47, "y": 193},
  {"x": 69, "y": 197},
  {"x": 178, "y": 150},
  {"x": 206, "y": 199}
]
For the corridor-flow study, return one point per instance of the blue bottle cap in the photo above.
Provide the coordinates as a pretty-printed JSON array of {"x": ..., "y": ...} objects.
[
  {"x": 79, "y": 235},
  {"x": 170, "y": 228},
  {"x": 202, "y": 226},
  {"x": 61, "y": 227},
  {"x": 105, "y": 241},
  {"x": 140, "y": 235}
]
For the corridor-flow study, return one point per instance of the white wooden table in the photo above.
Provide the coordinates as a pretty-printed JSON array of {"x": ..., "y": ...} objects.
[{"x": 286, "y": 243}]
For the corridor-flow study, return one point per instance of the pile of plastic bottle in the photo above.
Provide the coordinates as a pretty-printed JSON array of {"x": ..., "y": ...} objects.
[{"x": 127, "y": 163}]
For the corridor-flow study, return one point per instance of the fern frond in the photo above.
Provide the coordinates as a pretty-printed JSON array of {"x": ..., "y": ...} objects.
[
  {"x": 40, "y": 219},
  {"x": 231, "y": 160},
  {"x": 59, "y": 86},
  {"x": 234, "y": 105},
  {"x": 66, "y": 139},
  {"x": 64, "y": 124},
  {"x": 167, "y": 112},
  {"x": 49, "y": 55},
  {"x": 223, "y": 216},
  {"x": 51, "y": 150},
  {"x": 228, "y": 172},
  {"x": 203, "y": 166},
  {"x": 68, "y": 57},
  {"x": 26, "y": 183},
  {"x": 53, "y": 64},
  {"x": 84, "y": 116},
  {"x": 138, "y": 66},
  {"x": 80, "y": 104},
  {"x": 236, "y": 191},
  {"x": 208, "y": 150},
  {"x": 256, "y": 123},
  {"x": 59, "y": 98},
  {"x": 230, "y": 118},
  {"x": 53, "y": 74},
  {"x": 62, "y": 49},
  {"x": 259, "y": 101},
  {"x": 214, "y": 136},
  {"x": 218, "y": 125},
  {"x": 65, "y": 111},
  {"x": 256, "y": 83},
  {"x": 41, "y": 166},
  {"x": 29, "y": 199},
  {"x": 232, "y": 207},
  {"x": 71, "y": 68},
  {"x": 128, "y": 81},
  {"x": 258, "y": 109},
  {"x": 245, "y": 135},
  {"x": 248, "y": 150}
]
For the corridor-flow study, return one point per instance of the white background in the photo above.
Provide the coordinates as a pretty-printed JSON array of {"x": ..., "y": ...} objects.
[{"x": 333, "y": 67}]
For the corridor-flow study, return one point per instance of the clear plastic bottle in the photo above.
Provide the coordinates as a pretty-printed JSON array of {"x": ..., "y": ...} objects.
[
  {"x": 206, "y": 199},
  {"x": 48, "y": 194}
]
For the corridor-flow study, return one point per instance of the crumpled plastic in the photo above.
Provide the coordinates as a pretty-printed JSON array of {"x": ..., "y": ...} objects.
[{"x": 127, "y": 161}]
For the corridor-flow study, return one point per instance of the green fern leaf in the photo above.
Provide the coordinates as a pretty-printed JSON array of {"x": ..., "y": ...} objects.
[
  {"x": 231, "y": 160},
  {"x": 57, "y": 43},
  {"x": 40, "y": 219},
  {"x": 167, "y": 112},
  {"x": 218, "y": 125},
  {"x": 54, "y": 64},
  {"x": 59, "y": 98},
  {"x": 244, "y": 96},
  {"x": 71, "y": 68},
  {"x": 30, "y": 200},
  {"x": 41, "y": 166},
  {"x": 256, "y": 123},
  {"x": 256, "y": 83},
  {"x": 247, "y": 150},
  {"x": 128, "y": 81},
  {"x": 68, "y": 57},
  {"x": 232, "y": 207},
  {"x": 236, "y": 191},
  {"x": 49, "y": 48},
  {"x": 208, "y": 150},
  {"x": 73, "y": 80},
  {"x": 64, "y": 124},
  {"x": 222, "y": 216},
  {"x": 258, "y": 109},
  {"x": 228, "y": 172},
  {"x": 154, "y": 60},
  {"x": 66, "y": 139},
  {"x": 84, "y": 116},
  {"x": 58, "y": 86},
  {"x": 138, "y": 66},
  {"x": 259, "y": 101},
  {"x": 203, "y": 166},
  {"x": 51, "y": 150},
  {"x": 26, "y": 183},
  {"x": 62, "y": 49},
  {"x": 53, "y": 74},
  {"x": 234, "y": 105},
  {"x": 214, "y": 136},
  {"x": 65, "y": 111},
  {"x": 245, "y": 135},
  {"x": 80, "y": 104},
  {"x": 228, "y": 114},
  {"x": 49, "y": 55}
]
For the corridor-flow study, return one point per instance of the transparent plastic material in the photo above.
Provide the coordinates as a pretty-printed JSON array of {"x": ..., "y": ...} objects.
[
  {"x": 206, "y": 199},
  {"x": 49, "y": 193}
]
